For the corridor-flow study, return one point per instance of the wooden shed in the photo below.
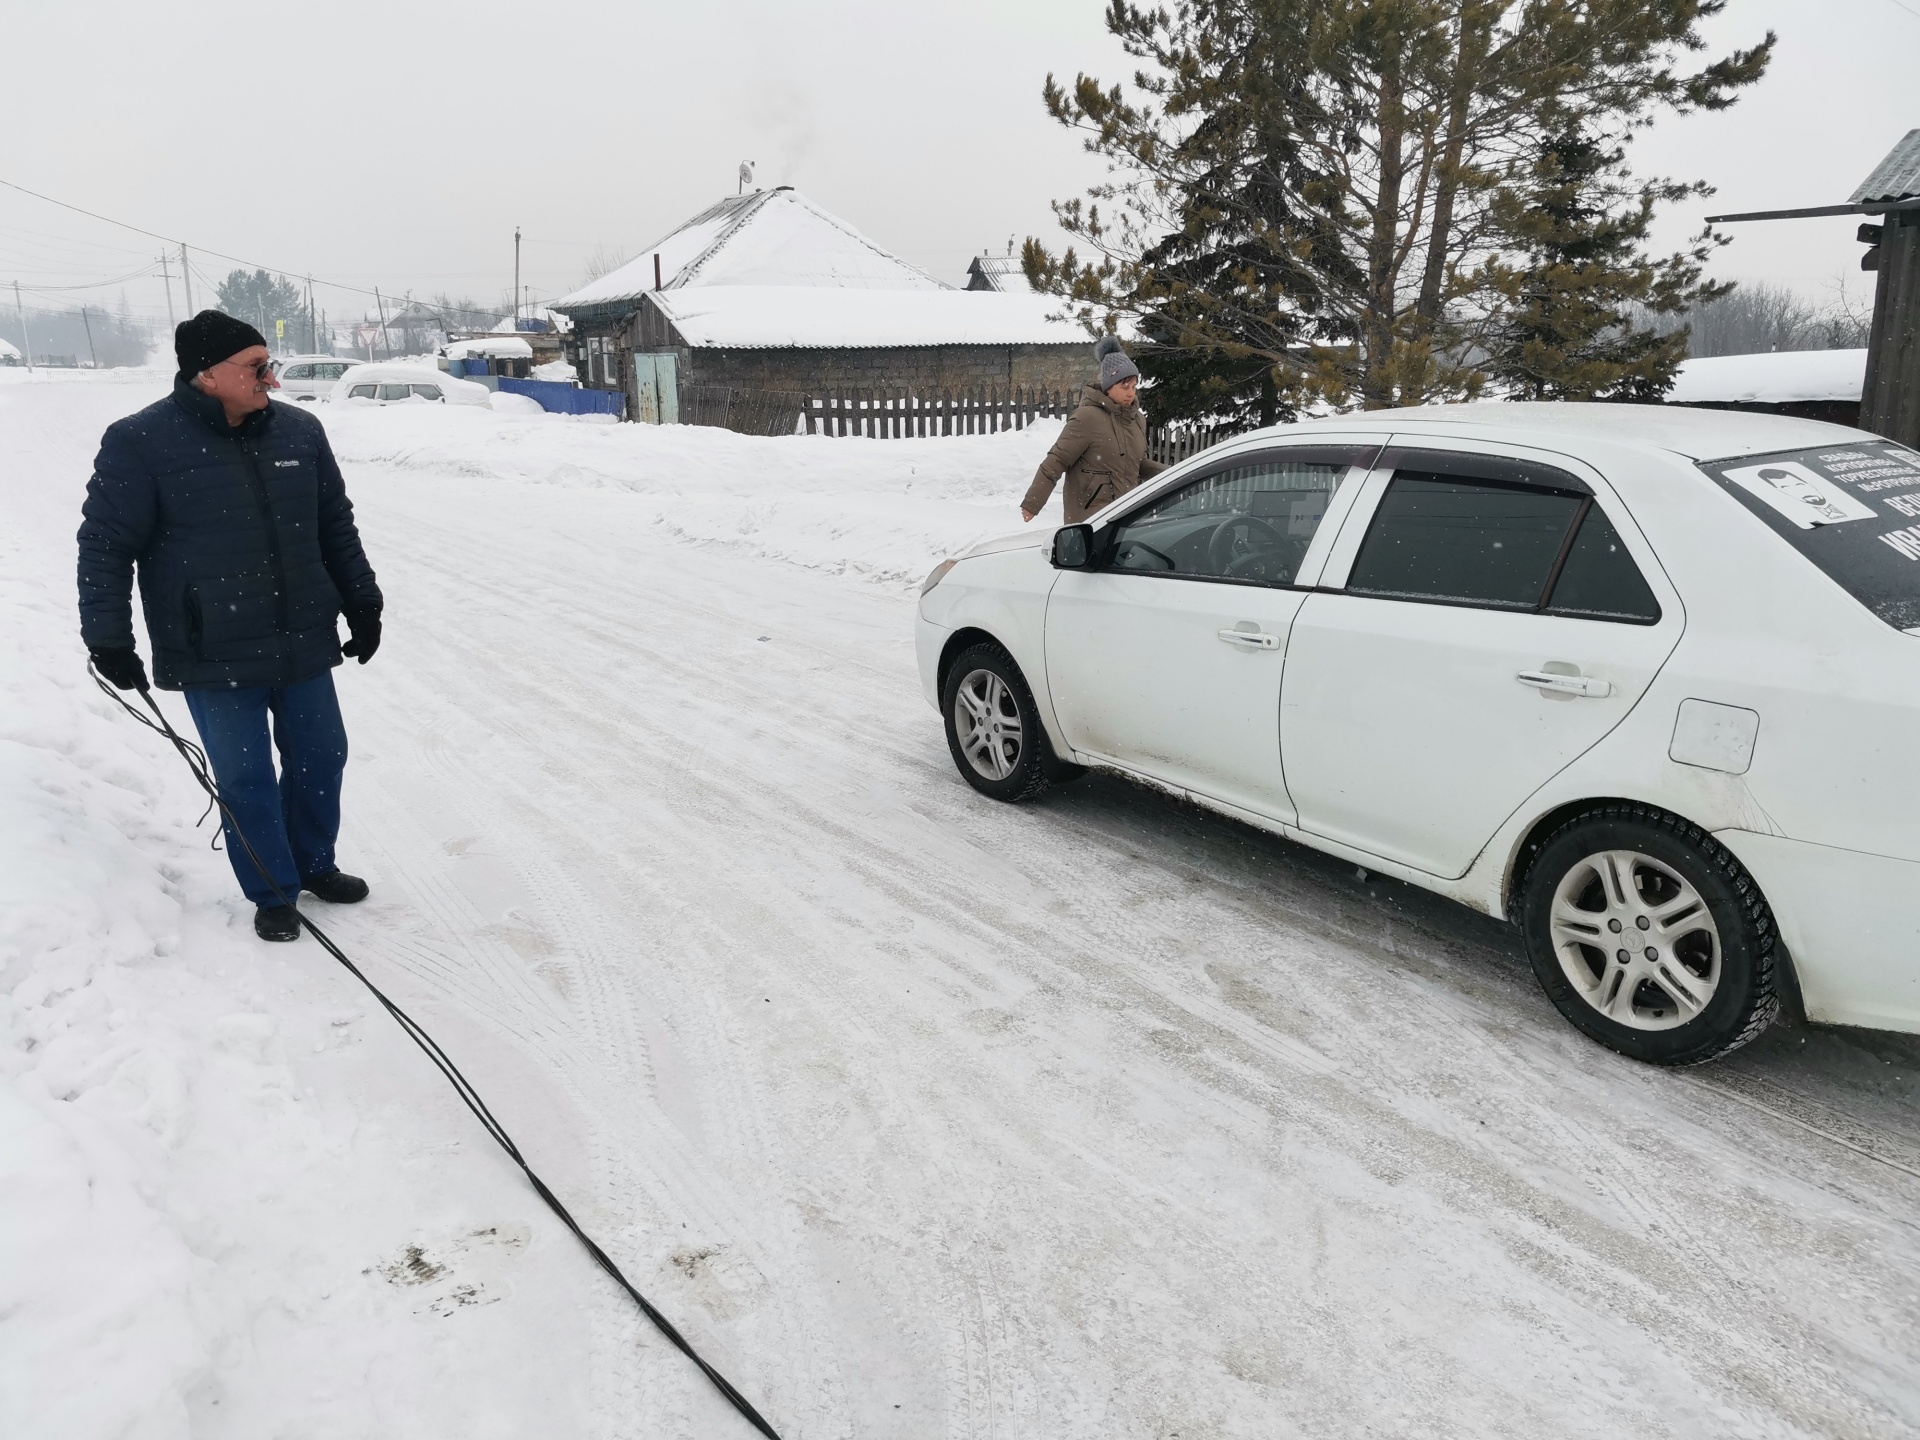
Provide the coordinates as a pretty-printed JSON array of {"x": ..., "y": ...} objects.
[{"x": 764, "y": 299}]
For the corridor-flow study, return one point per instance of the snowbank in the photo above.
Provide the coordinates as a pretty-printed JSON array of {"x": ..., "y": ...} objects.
[
  {"x": 882, "y": 510},
  {"x": 1778, "y": 377},
  {"x": 502, "y": 347}
]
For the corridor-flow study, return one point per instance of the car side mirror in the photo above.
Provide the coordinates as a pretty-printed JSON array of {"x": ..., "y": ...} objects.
[{"x": 1073, "y": 547}]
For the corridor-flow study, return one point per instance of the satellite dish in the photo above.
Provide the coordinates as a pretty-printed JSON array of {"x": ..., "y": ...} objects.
[{"x": 746, "y": 175}]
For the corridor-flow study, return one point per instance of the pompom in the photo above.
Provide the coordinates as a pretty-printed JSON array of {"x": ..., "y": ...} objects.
[{"x": 1105, "y": 346}]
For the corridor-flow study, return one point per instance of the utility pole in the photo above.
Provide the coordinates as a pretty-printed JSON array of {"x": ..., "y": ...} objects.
[
  {"x": 25, "y": 338},
  {"x": 167, "y": 280},
  {"x": 384, "y": 344},
  {"x": 313, "y": 331},
  {"x": 186, "y": 277},
  {"x": 516, "y": 277},
  {"x": 92, "y": 354}
]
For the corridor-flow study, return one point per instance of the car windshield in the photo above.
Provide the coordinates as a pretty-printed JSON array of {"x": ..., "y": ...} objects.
[{"x": 1853, "y": 510}]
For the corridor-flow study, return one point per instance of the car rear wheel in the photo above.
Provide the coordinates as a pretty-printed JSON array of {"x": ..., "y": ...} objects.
[
  {"x": 1650, "y": 936},
  {"x": 993, "y": 728}
]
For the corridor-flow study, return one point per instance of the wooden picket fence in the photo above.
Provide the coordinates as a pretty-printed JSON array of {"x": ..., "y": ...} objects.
[
  {"x": 1170, "y": 444},
  {"x": 900, "y": 414}
]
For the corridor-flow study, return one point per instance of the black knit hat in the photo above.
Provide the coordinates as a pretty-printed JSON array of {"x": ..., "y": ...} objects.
[{"x": 210, "y": 337}]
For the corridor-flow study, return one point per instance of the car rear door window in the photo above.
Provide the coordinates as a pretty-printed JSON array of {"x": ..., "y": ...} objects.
[
  {"x": 1469, "y": 542},
  {"x": 1250, "y": 523},
  {"x": 297, "y": 372},
  {"x": 1853, "y": 510},
  {"x": 393, "y": 392},
  {"x": 1598, "y": 580}
]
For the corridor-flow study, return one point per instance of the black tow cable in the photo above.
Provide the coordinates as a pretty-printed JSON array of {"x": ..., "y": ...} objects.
[{"x": 197, "y": 762}]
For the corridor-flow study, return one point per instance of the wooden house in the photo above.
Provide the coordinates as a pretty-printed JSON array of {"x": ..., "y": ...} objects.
[{"x": 766, "y": 298}]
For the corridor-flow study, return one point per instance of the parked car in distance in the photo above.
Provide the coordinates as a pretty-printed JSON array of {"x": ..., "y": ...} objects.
[
  {"x": 393, "y": 381},
  {"x": 1644, "y": 681},
  {"x": 307, "y": 378}
]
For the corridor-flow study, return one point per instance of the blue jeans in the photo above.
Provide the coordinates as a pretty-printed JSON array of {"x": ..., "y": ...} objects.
[{"x": 292, "y": 818}]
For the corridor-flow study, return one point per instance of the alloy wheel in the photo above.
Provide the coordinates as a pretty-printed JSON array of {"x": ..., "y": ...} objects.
[
  {"x": 1635, "y": 940},
  {"x": 986, "y": 718}
]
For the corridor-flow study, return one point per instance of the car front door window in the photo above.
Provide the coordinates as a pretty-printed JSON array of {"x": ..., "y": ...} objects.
[{"x": 1250, "y": 523}]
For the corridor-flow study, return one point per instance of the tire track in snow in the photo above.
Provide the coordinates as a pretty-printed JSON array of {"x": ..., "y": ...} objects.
[{"x": 792, "y": 780}]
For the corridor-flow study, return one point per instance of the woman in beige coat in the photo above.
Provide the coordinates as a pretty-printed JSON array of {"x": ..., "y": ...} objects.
[{"x": 1103, "y": 448}]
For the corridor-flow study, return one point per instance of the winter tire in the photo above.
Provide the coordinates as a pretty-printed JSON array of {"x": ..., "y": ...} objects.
[
  {"x": 993, "y": 728},
  {"x": 1649, "y": 935}
]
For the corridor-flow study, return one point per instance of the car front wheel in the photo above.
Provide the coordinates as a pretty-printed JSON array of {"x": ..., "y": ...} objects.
[
  {"x": 1650, "y": 936},
  {"x": 993, "y": 728}
]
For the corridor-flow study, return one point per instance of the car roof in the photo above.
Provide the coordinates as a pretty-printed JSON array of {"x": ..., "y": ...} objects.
[{"x": 1678, "y": 429}]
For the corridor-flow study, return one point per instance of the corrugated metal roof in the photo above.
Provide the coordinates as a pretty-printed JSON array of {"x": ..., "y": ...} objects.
[{"x": 1895, "y": 178}]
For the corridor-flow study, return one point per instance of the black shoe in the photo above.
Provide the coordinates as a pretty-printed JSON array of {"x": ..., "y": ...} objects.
[
  {"x": 276, "y": 922},
  {"x": 336, "y": 887}
]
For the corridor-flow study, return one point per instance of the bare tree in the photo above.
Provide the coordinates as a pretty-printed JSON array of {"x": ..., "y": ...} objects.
[
  {"x": 1759, "y": 316},
  {"x": 604, "y": 260}
]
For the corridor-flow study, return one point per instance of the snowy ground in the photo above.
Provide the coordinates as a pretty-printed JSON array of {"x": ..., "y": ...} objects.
[{"x": 926, "y": 1117}]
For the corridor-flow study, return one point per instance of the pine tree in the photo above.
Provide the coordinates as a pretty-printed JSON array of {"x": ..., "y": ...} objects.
[
  {"x": 1578, "y": 281},
  {"x": 260, "y": 298},
  {"x": 1312, "y": 197}
]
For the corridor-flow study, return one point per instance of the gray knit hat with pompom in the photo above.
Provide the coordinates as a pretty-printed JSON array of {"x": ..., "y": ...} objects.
[{"x": 1114, "y": 364}]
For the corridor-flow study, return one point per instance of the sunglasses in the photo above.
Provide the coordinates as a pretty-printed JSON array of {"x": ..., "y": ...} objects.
[{"x": 260, "y": 372}]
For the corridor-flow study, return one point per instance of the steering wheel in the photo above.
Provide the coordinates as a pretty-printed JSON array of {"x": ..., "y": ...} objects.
[{"x": 1221, "y": 559}]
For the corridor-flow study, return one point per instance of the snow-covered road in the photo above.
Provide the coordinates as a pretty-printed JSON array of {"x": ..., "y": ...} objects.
[{"x": 926, "y": 1117}]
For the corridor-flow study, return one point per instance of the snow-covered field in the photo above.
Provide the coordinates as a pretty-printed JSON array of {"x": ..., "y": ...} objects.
[{"x": 925, "y": 1117}]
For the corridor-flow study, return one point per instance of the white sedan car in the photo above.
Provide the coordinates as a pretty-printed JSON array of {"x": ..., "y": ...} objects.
[
  {"x": 1645, "y": 681},
  {"x": 391, "y": 382}
]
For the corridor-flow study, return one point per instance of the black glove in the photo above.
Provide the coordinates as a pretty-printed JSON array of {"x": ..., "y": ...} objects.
[
  {"x": 121, "y": 667},
  {"x": 364, "y": 621}
]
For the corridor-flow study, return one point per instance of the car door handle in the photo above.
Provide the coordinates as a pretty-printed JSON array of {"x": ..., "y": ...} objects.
[
  {"x": 1585, "y": 685},
  {"x": 1252, "y": 639}
]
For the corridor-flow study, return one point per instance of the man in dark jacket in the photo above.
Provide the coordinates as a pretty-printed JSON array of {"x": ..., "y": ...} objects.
[{"x": 234, "y": 512}]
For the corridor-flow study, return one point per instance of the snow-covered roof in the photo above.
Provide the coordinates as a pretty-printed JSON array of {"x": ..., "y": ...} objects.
[
  {"x": 498, "y": 347},
  {"x": 1778, "y": 377},
  {"x": 998, "y": 272},
  {"x": 510, "y": 324},
  {"x": 768, "y": 238},
  {"x": 1895, "y": 178},
  {"x": 769, "y": 317},
  {"x": 9, "y": 351}
]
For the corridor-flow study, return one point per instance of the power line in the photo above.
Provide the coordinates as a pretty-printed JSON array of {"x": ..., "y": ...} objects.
[{"x": 216, "y": 254}]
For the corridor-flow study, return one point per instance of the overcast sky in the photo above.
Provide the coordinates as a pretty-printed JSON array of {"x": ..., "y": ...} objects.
[{"x": 399, "y": 144}]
